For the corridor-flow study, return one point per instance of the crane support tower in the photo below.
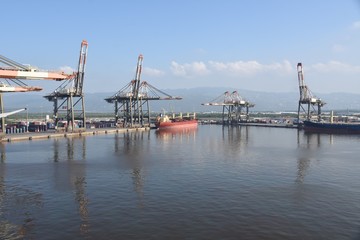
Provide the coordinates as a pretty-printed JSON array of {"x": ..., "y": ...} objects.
[
  {"x": 68, "y": 99},
  {"x": 131, "y": 103},
  {"x": 15, "y": 74},
  {"x": 233, "y": 105},
  {"x": 312, "y": 103}
]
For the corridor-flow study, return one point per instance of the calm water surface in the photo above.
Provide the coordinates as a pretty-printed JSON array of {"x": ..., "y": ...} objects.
[{"x": 209, "y": 183}]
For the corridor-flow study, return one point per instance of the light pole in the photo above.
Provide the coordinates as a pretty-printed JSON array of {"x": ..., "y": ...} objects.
[{"x": 41, "y": 115}]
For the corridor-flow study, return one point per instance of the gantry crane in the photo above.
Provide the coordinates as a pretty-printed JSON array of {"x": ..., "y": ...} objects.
[
  {"x": 131, "y": 103},
  {"x": 68, "y": 98},
  {"x": 14, "y": 75},
  {"x": 233, "y": 105},
  {"x": 307, "y": 98}
]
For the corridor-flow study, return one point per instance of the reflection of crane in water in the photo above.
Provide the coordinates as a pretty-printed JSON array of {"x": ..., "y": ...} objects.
[
  {"x": 130, "y": 155},
  {"x": 132, "y": 101},
  {"x": 307, "y": 98},
  {"x": 303, "y": 165},
  {"x": 76, "y": 177},
  {"x": 233, "y": 105},
  {"x": 235, "y": 133},
  {"x": 2, "y": 153},
  {"x": 236, "y": 138},
  {"x": 305, "y": 157}
]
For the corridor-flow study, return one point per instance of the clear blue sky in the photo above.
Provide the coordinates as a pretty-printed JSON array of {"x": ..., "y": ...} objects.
[{"x": 243, "y": 44}]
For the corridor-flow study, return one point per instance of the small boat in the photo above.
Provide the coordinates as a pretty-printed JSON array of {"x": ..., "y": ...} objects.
[
  {"x": 331, "y": 127},
  {"x": 164, "y": 122}
]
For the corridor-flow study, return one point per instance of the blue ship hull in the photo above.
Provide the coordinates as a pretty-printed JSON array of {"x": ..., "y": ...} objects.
[{"x": 341, "y": 128}]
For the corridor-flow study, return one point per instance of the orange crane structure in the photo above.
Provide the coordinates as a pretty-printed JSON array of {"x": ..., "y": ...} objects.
[
  {"x": 68, "y": 98},
  {"x": 14, "y": 75},
  {"x": 307, "y": 98},
  {"x": 19, "y": 71},
  {"x": 233, "y": 105},
  {"x": 131, "y": 103}
]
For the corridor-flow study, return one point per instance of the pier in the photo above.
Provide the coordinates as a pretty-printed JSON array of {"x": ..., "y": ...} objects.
[{"x": 54, "y": 134}]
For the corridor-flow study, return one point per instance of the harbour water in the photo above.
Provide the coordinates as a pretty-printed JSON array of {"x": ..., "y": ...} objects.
[{"x": 210, "y": 183}]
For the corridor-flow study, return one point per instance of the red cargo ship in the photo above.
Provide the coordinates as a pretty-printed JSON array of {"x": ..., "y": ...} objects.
[{"x": 164, "y": 122}]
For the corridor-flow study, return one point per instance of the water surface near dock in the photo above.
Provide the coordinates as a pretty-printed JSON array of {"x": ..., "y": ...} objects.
[{"x": 211, "y": 183}]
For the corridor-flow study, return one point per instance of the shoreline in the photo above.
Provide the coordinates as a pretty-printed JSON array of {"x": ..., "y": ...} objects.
[{"x": 53, "y": 134}]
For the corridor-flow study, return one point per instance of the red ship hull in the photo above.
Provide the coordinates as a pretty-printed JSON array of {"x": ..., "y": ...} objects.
[{"x": 177, "y": 124}]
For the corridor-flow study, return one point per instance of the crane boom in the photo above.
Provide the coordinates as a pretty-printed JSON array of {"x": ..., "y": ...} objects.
[
  {"x": 18, "y": 71},
  {"x": 7, "y": 88},
  {"x": 12, "y": 63},
  {"x": 302, "y": 87},
  {"x": 5, "y": 114},
  {"x": 79, "y": 80},
  {"x": 305, "y": 94},
  {"x": 300, "y": 75},
  {"x": 33, "y": 75},
  {"x": 137, "y": 76}
]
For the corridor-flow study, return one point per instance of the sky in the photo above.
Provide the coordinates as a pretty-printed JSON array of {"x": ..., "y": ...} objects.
[{"x": 242, "y": 44}]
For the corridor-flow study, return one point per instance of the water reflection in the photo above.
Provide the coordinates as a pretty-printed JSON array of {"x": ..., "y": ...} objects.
[
  {"x": 17, "y": 207},
  {"x": 315, "y": 138},
  {"x": 308, "y": 145},
  {"x": 309, "y": 148},
  {"x": 171, "y": 133},
  {"x": 235, "y": 134},
  {"x": 127, "y": 148},
  {"x": 235, "y": 138},
  {"x": 2, "y": 152},
  {"x": 167, "y": 196},
  {"x": 70, "y": 173},
  {"x": 71, "y": 145}
]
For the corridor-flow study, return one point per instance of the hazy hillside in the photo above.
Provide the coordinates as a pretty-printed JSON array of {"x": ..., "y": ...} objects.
[{"x": 192, "y": 99}]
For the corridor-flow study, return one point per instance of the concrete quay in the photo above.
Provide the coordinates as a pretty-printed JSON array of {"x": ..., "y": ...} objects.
[
  {"x": 54, "y": 134},
  {"x": 271, "y": 125}
]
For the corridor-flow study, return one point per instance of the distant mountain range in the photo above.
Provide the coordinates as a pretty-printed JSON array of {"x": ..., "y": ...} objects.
[{"x": 192, "y": 98}]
